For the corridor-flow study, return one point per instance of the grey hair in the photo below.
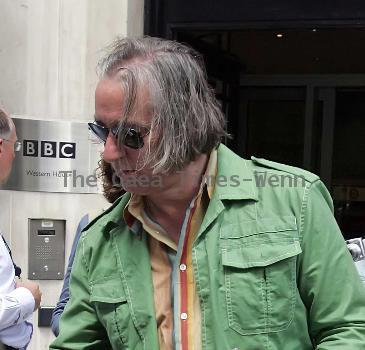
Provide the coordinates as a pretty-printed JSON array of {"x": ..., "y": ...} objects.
[
  {"x": 186, "y": 116},
  {"x": 6, "y": 127}
]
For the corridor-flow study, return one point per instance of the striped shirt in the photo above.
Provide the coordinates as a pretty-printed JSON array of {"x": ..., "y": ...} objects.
[{"x": 177, "y": 306}]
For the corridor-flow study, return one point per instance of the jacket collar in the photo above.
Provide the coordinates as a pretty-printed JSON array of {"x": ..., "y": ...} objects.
[
  {"x": 113, "y": 216},
  {"x": 234, "y": 181},
  {"x": 239, "y": 176}
]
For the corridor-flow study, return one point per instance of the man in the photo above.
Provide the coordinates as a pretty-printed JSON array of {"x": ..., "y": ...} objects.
[
  {"x": 18, "y": 299},
  {"x": 196, "y": 255}
]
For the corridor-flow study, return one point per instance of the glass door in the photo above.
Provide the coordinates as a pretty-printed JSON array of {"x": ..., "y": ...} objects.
[
  {"x": 272, "y": 124},
  {"x": 348, "y": 164}
]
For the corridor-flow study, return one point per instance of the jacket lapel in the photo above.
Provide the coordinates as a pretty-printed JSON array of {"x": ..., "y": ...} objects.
[
  {"x": 234, "y": 181},
  {"x": 133, "y": 260}
]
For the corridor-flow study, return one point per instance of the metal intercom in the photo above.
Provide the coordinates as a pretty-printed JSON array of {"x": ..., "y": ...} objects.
[{"x": 46, "y": 258}]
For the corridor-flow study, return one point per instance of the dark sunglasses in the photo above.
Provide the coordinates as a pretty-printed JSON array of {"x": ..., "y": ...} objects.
[{"x": 129, "y": 136}]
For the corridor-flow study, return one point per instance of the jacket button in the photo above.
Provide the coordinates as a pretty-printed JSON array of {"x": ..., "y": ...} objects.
[
  {"x": 182, "y": 267},
  {"x": 184, "y": 316}
]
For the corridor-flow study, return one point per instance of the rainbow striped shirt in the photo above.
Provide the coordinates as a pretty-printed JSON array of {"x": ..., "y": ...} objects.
[{"x": 177, "y": 305}]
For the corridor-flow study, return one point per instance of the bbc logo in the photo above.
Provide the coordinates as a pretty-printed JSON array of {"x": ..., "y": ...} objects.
[{"x": 49, "y": 149}]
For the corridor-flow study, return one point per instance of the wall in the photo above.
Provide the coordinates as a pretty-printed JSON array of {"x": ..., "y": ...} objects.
[{"x": 48, "y": 54}]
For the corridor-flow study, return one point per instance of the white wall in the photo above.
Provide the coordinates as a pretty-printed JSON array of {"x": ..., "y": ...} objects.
[{"x": 48, "y": 54}]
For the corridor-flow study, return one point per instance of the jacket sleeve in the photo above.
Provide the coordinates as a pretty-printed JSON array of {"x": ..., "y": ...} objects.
[
  {"x": 328, "y": 280},
  {"x": 79, "y": 325},
  {"x": 65, "y": 292},
  {"x": 15, "y": 307},
  {"x": 16, "y": 304}
]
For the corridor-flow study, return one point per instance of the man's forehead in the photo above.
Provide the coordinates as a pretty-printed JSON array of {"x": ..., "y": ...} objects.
[
  {"x": 112, "y": 88},
  {"x": 109, "y": 93},
  {"x": 110, "y": 104},
  {"x": 108, "y": 84},
  {"x": 112, "y": 122}
]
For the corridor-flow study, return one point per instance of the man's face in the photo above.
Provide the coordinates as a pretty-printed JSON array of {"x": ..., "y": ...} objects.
[
  {"x": 127, "y": 162},
  {"x": 7, "y": 155}
]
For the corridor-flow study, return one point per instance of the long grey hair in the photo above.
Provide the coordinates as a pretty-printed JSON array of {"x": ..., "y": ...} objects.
[{"x": 187, "y": 117}]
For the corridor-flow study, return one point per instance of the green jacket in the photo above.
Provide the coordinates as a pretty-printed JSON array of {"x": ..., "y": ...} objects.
[{"x": 271, "y": 267}]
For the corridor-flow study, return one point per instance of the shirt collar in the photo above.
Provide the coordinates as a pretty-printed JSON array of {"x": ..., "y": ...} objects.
[
  {"x": 135, "y": 205},
  {"x": 227, "y": 176}
]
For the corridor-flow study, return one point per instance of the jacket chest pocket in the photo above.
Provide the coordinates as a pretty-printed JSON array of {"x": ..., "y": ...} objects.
[
  {"x": 110, "y": 303},
  {"x": 260, "y": 282}
]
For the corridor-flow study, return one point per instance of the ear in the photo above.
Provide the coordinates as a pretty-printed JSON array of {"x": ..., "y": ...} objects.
[{"x": 1, "y": 147}]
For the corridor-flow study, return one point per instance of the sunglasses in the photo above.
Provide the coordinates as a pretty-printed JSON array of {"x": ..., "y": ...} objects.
[
  {"x": 131, "y": 137},
  {"x": 17, "y": 145}
]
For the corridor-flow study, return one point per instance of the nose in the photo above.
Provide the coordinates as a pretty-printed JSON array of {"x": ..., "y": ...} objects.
[{"x": 111, "y": 150}]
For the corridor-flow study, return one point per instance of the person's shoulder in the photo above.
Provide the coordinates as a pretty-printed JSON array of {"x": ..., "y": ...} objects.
[
  {"x": 282, "y": 188},
  {"x": 263, "y": 166},
  {"x": 110, "y": 216}
]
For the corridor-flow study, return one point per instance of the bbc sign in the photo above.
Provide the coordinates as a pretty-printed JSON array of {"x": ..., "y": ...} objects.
[{"x": 49, "y": 149}]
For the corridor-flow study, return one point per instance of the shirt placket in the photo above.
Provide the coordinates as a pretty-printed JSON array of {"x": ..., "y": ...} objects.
[{"x": 183, "y": 266}]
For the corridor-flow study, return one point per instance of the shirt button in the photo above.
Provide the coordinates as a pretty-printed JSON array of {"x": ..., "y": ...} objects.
[
  {"x": 184, "y": 316},
  {"x": 182, "y": 267}
]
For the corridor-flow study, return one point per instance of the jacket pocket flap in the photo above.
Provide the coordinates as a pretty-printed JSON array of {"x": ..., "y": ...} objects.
[
  {"x": 107, "y": 291},
  {"x": 260, "y": 255},
  {"x": 262, "y": 225}
]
